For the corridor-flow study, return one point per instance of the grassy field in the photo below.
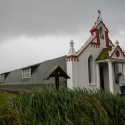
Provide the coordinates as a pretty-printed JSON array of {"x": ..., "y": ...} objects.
[
  {"x": 64, "y": 107},
  {"x": 4, "y": 98}
]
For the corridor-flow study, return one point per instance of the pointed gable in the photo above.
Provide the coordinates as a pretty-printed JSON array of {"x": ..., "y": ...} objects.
[
  {"x": 56, "y": 71},
  {"x": 111, "y": 53},
  {"x": 95, "y": 39},
  {"x": 101, "y": 32},
  {"x": 117, "y": 53},
  {"x": 97, "y": 24}
]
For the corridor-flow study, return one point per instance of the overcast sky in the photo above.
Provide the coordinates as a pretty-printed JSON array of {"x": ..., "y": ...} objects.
[{"x": 32, "y": 31}]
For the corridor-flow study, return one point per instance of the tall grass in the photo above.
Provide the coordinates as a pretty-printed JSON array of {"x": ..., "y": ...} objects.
[
  {"x": 65, "y": 107},
  {"x": 4, "y": 98}
]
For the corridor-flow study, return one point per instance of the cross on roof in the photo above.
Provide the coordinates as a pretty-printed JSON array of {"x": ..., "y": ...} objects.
[{"x": 99, "y": 12}]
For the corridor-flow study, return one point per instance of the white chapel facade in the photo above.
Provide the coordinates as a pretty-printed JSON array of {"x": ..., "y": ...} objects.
[{"x": 97, "y": 62}]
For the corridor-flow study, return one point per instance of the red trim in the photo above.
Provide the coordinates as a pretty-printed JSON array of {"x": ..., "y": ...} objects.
[
  {"x": 103, "y": 25},
  {"x": 98, "y": 39},
  {"x": 83, "y": 50},
  {"x": 93, "y": 29},
  {"x": 107, "y": 38},
  {"x": 86, "y": 46},
  {"x": 72, "y": 58},
  {"x": 95, "y": 44},
  {"x": 116, "y": 49},
  {"x": 111, "y": 42},
  {"x": 92, "y": 33}
]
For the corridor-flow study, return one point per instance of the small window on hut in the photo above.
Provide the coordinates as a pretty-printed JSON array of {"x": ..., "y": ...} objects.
[
  {"x": 26, "y": 73},
  {"x": 2, "y": 78}
]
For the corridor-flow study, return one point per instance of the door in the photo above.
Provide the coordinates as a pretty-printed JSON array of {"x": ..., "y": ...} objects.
[{"x": 101, "y": 78}]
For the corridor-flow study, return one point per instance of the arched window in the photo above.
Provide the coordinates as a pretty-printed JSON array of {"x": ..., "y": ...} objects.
[
  {"x": 101, "y": 32},
  {"x": 90, "y": 69}
]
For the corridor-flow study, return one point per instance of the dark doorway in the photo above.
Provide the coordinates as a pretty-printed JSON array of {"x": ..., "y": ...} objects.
[{"x": 101, "y": 78}]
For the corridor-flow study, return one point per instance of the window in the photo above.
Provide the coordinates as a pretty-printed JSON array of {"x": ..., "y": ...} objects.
[
  {"x": 101, "y": 32},
  {"x": 2, "y": 78},
  {"x": 26, "y": 73},
  {"x": 90, "y": 69}
]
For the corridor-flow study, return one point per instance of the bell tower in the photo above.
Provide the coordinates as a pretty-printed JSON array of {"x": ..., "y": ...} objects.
[{"x": 101, "y": 31}]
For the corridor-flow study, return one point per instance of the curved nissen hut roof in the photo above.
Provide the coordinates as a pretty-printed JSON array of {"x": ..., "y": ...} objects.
[{"x": 38, "y": 72}]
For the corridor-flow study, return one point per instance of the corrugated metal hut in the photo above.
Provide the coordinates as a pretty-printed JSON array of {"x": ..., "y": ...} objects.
[{"x": 33, "y": 75}]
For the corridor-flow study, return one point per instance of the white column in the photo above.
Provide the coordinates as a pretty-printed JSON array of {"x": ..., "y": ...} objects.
[
  {"x": 123, "y": 69},
  {"x": 111, "y": 86},
  {"x": 97, "y": 76}
]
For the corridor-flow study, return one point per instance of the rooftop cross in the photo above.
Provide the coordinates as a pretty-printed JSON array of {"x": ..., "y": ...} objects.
[
  {"x": 71, "y": 43},
  {"x": 99, "y": 12}
]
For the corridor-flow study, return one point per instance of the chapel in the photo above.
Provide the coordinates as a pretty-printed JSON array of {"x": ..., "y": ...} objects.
[
  {"x": 97, "y": 62},
  {"x": 93, "y": 66}
]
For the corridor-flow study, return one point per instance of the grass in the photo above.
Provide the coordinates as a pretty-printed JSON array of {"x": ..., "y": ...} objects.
[
  {"x": 4, "y": 97},
  {"x": 64, "y": 107}
]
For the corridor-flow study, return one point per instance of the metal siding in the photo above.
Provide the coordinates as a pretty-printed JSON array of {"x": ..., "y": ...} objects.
[{"x": 15, "y": 77}]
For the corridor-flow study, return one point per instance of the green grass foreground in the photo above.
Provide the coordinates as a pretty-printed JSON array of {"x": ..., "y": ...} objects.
[
  {"x": 64, "y": 107},
  {"x": 4, "y": 97}
]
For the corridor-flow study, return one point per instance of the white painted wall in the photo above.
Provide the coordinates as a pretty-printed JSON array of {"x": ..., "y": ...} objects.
[
  {"x": 72, "y": 71},
  {"x": 69, "y": 72},
  {"x": 83, "y": 67}
]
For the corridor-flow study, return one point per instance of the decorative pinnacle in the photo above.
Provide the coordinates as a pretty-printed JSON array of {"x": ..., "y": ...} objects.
[
  {"x": 99, "y": 12},
  {"x": 116, "y": 42},
  {"x": 71, "y": 43}
]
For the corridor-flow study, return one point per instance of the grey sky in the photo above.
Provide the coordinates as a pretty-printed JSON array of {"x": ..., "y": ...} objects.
[{"x": 32, "y": 31}]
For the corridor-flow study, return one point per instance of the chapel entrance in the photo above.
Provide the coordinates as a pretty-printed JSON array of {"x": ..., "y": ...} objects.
[{"x": 101, "y": 78}]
